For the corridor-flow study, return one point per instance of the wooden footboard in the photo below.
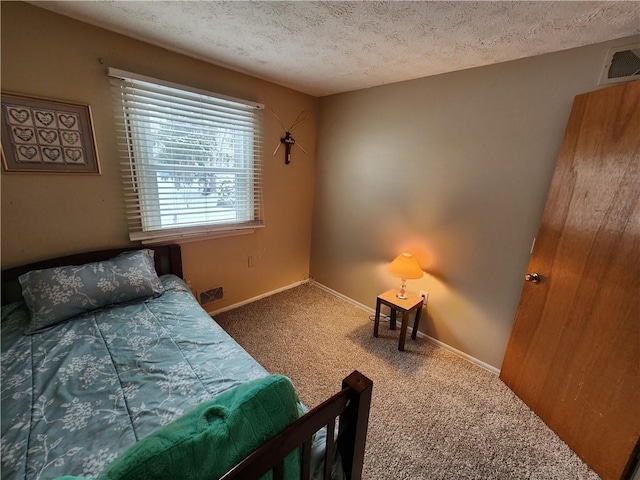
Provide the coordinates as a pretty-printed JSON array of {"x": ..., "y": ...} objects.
[{"x": 350, "y": 406}]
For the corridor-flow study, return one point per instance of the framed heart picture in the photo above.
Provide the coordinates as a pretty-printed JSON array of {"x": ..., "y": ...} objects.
[{"x": 47, "y": 136}]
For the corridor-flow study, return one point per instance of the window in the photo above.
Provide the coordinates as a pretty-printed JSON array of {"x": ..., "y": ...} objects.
[{"x": 191, "y": 159}]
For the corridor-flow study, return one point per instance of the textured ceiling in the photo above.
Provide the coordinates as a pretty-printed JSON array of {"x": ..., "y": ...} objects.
[{"x": 328, "y": 47}]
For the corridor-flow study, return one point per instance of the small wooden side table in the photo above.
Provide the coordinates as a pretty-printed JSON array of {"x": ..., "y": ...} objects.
[{"x": 407, "y": 306}]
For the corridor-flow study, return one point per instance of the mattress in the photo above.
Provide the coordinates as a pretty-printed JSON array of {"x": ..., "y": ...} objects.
[{"x": 78, "y": 394}]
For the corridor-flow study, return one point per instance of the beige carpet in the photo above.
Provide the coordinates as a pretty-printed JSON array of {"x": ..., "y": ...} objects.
[{"x": 433, "y": 415}]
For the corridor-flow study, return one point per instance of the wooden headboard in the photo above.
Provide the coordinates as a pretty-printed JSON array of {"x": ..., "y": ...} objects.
[{"x": 168, "y": 259}]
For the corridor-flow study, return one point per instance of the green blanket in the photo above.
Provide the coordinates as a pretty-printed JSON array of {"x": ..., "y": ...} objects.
[{"x": 211, "y": 439}]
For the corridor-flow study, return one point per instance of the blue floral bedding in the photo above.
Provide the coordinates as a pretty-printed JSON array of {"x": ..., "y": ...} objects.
[{"x": 78, "y": 394}]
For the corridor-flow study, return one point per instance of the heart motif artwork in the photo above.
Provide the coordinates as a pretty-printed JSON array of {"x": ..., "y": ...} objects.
[
  {"x": 24, "y": 134},
  {"x": 28, "y": 152},
  {"x": 73, "y": 154},
  {"x": 68, "y": 121},
  {"x": 45, "y": 118},
  {"x": 70, "y": 138},
  {"x": 20, "y": 115},
  {"x": 42, "y": 135},
  {"x": 49, "y": 136},
  {"x": 52, "y": 154}
]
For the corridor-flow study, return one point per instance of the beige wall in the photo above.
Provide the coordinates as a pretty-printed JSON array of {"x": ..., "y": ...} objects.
[
  {"x": 455, "y": 169},
  {"x": 47, "y": 55}
]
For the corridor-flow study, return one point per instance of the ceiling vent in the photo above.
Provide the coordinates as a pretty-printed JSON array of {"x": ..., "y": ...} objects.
[{"x": 621, "y": 65}]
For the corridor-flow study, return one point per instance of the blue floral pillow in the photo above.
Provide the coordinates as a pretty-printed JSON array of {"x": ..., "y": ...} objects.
[{"x": 58, "y": 294}]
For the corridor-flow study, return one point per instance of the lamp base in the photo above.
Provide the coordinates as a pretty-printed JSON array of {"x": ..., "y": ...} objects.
[{"x": 402, "y": 293}]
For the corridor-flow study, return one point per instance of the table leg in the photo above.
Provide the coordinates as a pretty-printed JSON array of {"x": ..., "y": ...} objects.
[
  {"x": 403, "y": 330},
  {"x": 415, "y": 323},
  {"x": 392, "y": 319},
  {"x": 376, "y": 323}
]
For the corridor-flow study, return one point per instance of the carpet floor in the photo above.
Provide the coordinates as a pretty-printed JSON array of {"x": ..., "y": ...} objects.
[{"x": 433, "y": 416}]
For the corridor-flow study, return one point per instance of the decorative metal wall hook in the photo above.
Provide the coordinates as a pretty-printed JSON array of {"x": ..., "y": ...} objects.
[{"x": 287, "y": 139}]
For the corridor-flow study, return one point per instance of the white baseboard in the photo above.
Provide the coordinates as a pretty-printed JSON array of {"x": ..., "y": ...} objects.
[
  {"x": 460, "y": 353},
  {"x": 253, "y": 299}
]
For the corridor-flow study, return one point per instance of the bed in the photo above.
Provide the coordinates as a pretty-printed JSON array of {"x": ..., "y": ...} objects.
[{"x": 133, "y": 379}]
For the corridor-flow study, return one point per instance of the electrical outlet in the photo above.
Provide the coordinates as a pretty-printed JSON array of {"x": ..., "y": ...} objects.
[
  {"x": 425, "y": 296},
  {"x": 251, "y": 261}
]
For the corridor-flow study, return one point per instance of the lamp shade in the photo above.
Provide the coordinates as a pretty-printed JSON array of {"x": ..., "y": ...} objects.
[{"x": 405, "y": 266}]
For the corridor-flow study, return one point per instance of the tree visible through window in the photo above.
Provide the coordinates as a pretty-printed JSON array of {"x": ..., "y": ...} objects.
[{"x": 192, "y": 159}]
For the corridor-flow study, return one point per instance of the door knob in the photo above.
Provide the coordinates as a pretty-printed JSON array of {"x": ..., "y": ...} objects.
[{"x": 532, "y": 277}]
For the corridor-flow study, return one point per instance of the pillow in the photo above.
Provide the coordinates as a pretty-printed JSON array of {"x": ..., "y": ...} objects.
[
  {"x": 207, "y": 442},
  {"x": 58, "y": 294}
]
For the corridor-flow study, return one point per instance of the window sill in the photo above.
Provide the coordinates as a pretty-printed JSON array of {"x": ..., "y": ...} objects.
[{"x": 188, "y": 237}]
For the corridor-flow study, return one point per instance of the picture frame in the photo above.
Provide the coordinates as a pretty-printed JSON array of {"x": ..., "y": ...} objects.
[{"x": 47, "y": 136}]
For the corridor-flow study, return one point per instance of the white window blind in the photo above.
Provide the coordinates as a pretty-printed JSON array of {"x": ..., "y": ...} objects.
[{"x": 191, "y": 159}]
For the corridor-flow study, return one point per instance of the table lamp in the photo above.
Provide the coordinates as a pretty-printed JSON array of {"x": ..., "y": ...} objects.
[{"x": 405, "y": 267}]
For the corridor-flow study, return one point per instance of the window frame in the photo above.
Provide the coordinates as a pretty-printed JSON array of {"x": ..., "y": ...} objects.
[{"x": 144, "y": 203}]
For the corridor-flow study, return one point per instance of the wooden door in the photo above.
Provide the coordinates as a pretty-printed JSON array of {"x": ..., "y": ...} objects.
[{"x": 573, "y": 355}]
